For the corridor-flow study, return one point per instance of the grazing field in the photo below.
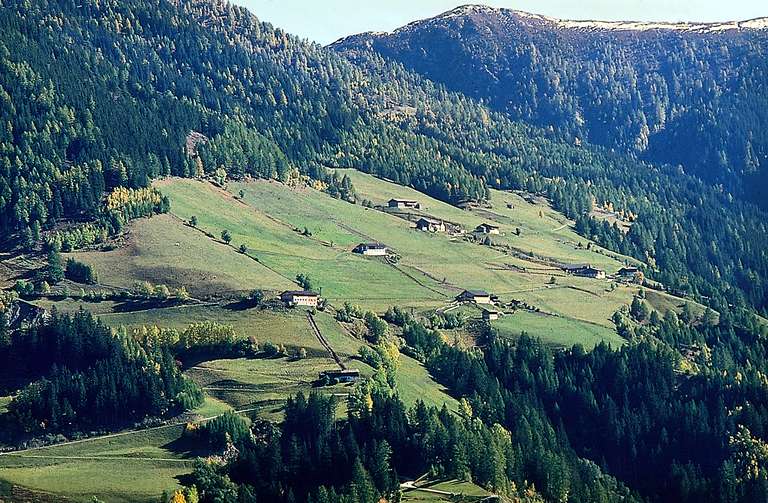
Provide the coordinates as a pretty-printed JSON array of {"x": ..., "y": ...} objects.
[
  {"x": 163, "y": 250},
  {"x": 265, "y": 384},
  {"x": 549, "y": 234},
  {"x": 135, "y": 467},
  {"x": 340, "y": 274},
  {"x": 288, "y": 327},
  {"x": 556, "y": 330},
  {"x": 457, "y": 491},
  {"x": 4, "y": 401},
  {"x": 414, "y": 383}
]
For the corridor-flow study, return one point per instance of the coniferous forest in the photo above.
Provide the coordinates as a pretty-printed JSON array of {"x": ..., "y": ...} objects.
[
  {"x": 105, "y": 94},
  {"x": 99, "y": 98}
]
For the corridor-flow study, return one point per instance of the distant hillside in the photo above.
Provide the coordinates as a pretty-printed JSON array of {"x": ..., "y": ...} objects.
[
  {"x": 689, "y": 94},
  {"x": 98, "y": 95}
]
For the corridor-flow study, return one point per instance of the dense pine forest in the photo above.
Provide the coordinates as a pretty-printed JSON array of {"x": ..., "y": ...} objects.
[
  {"x": 669, "y": 425},
  {"x": 103, "y": 95},
  {"x": 681, "y": 94},
  {"x": 99, "y": 98},
  {"x": 84, "y": 377}
]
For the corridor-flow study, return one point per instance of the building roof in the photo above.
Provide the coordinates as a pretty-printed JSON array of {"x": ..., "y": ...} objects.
[
  {"x": 429, "y": 221},
  {"x": 299, "y": 293},
  {"x": 476, "y": 293},
  {"x": 375, "y": 246},
  {"x": 403, "y": 200},
  {"x": 575, "y": 267},
  {"x": 490, "y": 226},
  {"x": 335, "y": 372}
]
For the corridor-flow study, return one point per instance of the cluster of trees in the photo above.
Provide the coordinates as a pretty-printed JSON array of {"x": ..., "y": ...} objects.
[
  {"x": 273, "y": 105},
  {"x": 370, "y": 325},
  {"x": 660, "y": 415},
  {"x": 79, "y": 272},
  {"x": 120, "y": 206},
  {"x": 83, "y": 376},
  {"x": 315, "y": 458}
]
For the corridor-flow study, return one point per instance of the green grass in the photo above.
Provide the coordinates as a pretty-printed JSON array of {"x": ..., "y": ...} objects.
[
  {"x": 470, "y": 491},
  {"x": 544, "y": 235},
  {"x": 135, "y": 467},
  {"x": 555, "y": 330},
  {"x": 414, "y": 383},
  {"x": 4, "y": 401},
  {"x": 340, "y": 274},
  {"x": 289, "y": 327},
  {"x": 163, "y": 250}
]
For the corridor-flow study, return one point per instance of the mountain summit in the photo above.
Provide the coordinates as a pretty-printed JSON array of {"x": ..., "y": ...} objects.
[{"x": 674, "y": 93}]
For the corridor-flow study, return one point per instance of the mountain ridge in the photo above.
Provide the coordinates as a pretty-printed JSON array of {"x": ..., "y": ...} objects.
[
  {"x": 758, "y": 23},
  {"x": 668, "y": 93}
]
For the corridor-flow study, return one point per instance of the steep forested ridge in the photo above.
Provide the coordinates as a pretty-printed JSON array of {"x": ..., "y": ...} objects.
[
  {"x": 679, "y": 94},
  {"x": 99, "y": 95}
]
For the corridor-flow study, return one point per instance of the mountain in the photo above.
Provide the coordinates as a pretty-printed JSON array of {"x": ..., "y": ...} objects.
[
  {"x": 100, "y": 95},
  {"x": 676, "y": 93}
]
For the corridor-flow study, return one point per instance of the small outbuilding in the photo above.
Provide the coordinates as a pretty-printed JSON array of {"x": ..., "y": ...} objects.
[
  {"x": 430, "y": 225},
  {"x": 487, "y": 228},
  {"x": 403, "y": 203},
  {"x": 628, "y": 272},
  {"x": 491, "y": 315},
  {"x": 476, "y": 296},
  {"x": 300, "y": 298},
  {"x": 348, "y": 375},
  {"x": 371, "y": 249}
]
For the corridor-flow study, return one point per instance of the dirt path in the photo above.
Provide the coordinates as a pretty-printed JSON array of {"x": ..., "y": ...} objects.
[{"x": 324, "y": 341}]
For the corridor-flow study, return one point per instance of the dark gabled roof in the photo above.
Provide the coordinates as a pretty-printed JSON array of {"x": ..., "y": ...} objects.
[
  {"x": 630, "y": 268},
  {"x": 429, "y": 221},
  {"x": 299, "y": 293},
  {"x": 403, "y": 200},
  {"x": 476, "y": 293},
  {"x": 490, "y": 226},
  {"x": 576, "y": 267},
  {"x": 375, "y": 246}
]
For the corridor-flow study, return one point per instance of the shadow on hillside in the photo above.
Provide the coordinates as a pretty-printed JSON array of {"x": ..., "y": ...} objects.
[{"x": 133, "y": 305}]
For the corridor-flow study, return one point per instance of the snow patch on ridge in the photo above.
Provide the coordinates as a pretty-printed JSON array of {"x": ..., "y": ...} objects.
[{"x": 465, "y": 10}]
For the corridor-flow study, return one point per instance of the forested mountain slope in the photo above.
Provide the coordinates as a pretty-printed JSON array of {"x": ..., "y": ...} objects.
[
  {"x": 673, "y": 93},
  {"x": 104, "y": 94}
]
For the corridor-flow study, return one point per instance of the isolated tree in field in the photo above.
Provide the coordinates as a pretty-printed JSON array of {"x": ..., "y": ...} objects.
[
  {"x": 243, "y": 248},
  {"x": 226, "y": 236},
  {"x": 45, "y": 288},
  {"x": 193, "y": 221},
  {"x": 80, "y": 272},
  {"x": 639, "y": 309}
]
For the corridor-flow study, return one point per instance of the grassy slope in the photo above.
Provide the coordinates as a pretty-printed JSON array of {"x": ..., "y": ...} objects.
[
  {"x": 341, "y": 274},
  {"x": 555, "y": 329},
  {"x": 550, "y": 235},
  {"x": 468, "y": 490},
  {"x": 165, "y": 251},
  {"x": 135, "y": 467}
]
